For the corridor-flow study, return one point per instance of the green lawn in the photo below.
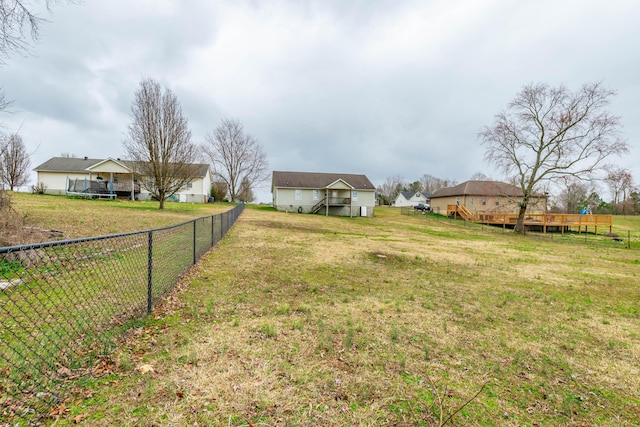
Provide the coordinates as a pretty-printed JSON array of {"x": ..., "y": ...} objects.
[
  {"x": 311, "y": 320},
  {"x": 393, "y": 320}
]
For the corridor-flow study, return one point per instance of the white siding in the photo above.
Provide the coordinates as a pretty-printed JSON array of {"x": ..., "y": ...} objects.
[
  {"x": 56, "y": 183},
  {"x": 401, "y": 201}
]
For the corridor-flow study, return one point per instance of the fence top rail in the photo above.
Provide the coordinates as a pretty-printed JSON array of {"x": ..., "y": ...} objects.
[{"x": 31, "y": 246}]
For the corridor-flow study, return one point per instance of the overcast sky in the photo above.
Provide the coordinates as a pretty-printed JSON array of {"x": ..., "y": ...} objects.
[{"x": 382, "y": 88}]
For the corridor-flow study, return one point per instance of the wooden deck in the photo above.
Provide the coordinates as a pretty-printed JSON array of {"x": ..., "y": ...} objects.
[{"x": 561, "y": 222}]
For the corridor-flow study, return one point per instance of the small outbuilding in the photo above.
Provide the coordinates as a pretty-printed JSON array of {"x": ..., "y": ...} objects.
[{"x": 336, "y": 194}]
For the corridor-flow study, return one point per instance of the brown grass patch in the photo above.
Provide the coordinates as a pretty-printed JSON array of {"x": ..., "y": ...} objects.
[{"x": 309, "y": 320}]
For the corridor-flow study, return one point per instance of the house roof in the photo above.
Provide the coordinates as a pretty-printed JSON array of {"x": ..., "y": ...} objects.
[
  {"x": 407, "y": 194},
  {"x": 318, "y": 180},
  {"x": 109, "y": 160},
  {"x": 201, "y": 169},
  {"x": 79, "y": 165},
  {"x": 480, "y": 188},
  {"x": 67, "y": 164}
]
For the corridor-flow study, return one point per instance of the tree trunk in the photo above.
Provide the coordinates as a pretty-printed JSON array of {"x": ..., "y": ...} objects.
[{"x": 520, "y": 223}]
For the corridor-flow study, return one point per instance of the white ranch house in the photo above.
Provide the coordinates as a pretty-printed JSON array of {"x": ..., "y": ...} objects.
[
  {"x": 411, "y": 198},
  {"x": 323, "y": 193},
  {"x": 110, "y": 178}
]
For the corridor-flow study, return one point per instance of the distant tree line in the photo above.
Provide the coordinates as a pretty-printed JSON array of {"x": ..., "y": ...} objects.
[
  {"x": 570, "y": 195},
  {"x": 394, "y": 185},
  {"x": 574, "y": 196}
]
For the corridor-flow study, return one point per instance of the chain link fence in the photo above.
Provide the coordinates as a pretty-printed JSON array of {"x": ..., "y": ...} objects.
[{"x": 62, "y": 303}]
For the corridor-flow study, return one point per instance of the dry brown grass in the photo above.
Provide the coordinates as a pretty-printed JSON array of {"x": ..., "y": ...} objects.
[
  {"x": 40, "y": 218},
  {"x": 310, "y": 320}
]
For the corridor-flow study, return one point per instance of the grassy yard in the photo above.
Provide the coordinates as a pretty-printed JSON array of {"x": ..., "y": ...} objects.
[
  {"x": 392, "y": 320},
  {"x": 77, "y": 218}
]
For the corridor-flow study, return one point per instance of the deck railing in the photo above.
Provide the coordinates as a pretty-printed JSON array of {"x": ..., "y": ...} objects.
[
  {"x": 126, "y": 186},
  {"x": 538, "y": 219}
]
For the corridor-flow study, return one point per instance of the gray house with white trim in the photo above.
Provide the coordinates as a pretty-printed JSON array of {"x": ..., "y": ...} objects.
[{"x": 323, "y": 193}]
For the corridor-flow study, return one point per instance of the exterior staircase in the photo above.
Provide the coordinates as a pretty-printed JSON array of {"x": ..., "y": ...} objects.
[
  {"x": 464, "y": 212},
  {"x": 318, "y": 206}
]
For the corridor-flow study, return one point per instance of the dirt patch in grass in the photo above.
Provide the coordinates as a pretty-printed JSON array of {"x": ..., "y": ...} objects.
[
  {"x": 287, "y": 325},
  {"x": 15, "y": 229}
]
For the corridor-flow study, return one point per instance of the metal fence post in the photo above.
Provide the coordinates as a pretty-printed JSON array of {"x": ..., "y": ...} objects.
[
  {"x": 194, "y": 241},
  {"x": 88, "y": 266},
  {"x": 150, "y": 272}
]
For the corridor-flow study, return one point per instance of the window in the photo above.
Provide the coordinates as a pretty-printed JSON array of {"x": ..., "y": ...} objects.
[
  {"x": 470, "y": 201},
  {"x": 354, "y": 196},
  {"x": 298, "y": 194},
  {"x": 189, "y": 185},
  {"x": 484, "y": 201},
  {"x": 316, "y": 194},
  {"x": 497, "y": 201}
]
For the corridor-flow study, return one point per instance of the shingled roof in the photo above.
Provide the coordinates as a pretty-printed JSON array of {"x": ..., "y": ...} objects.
[
  {"x": 409, "y": 194},
  {"x": 480, "y": 188},
  {"x": 318, "y": 180},
  {"x": 79, "y": 165},
  {"x": 67, "y": 164}
]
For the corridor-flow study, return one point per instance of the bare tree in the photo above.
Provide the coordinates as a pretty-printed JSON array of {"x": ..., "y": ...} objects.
[
  {"x": 620, "y": 183},
  {"x": 574, "y": 195},
  {"x": 548, "y": 133},
  {"x": 219, "y": 190},
  {"x": 480, "y": 176},
  {"x": 3, "y": 148},
  {"x": 4, "y": 102},
  {"x": 17, "y": 19},
  {"x": 390, "y": 189},
  {"x": 69, "y": 155},
  {"x": 245, "y": 193},
  {"x": 236, "y": 158},
  {"x": 431, "y": 184},
  {"x": 14, "y": 162},
  {"x": 159, "y": 142}
]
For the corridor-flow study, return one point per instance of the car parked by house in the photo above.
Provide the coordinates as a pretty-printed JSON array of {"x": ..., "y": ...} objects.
[{"x": 422, "y": 207}]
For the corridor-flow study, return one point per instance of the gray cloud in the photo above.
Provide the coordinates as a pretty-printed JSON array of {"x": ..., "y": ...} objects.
[{"x": 383, "y": 88}]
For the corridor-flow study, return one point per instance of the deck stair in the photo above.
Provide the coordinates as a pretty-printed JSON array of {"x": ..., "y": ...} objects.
[
  {"x": 464, "y": 212},
  {"x": 321, "y": 204}
]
